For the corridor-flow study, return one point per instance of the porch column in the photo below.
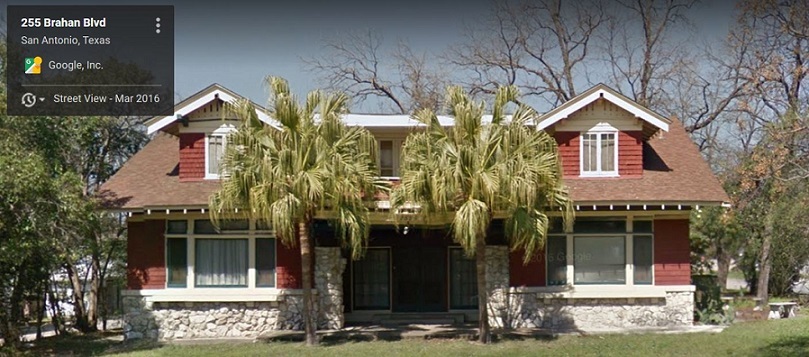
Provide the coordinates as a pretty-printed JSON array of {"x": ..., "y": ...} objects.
[
  {"x": 497, "y": 281},
  {"x": 329, "y": 266}
]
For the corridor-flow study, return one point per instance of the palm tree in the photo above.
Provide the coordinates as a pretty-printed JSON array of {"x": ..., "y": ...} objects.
[
  {"x": 310, "y": 162},
  {"x": 477, "y": 170}
]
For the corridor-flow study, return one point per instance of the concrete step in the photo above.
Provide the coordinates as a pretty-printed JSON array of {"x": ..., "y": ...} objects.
[
  {"x": 442, "y": 318},
  {"x": 400, "y": 322}
]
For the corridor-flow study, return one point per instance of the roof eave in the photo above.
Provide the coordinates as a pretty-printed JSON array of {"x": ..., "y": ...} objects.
[
  {"x": 597, "y": 92},
  {"x": 196, "y": 101}
]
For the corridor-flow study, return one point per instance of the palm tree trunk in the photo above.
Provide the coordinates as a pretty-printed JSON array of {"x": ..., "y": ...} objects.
[
  {"x": 306, "y": 277},
  {"x": 484, "y": 335}
]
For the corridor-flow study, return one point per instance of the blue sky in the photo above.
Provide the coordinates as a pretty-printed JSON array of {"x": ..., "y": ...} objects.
[{"x": 238, "y": 43}]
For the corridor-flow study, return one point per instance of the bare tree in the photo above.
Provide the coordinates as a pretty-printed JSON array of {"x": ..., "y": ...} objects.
[
  {"x": 540, "y": 46},
  {"x": 640, "y": 48},
  {"x": 358, "y": 65}
]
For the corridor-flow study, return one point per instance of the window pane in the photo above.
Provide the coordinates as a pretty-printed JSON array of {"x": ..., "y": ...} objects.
[
  {"x": 386, "y": 157},
  {"x": 589, "y": 153},
  {"x": 265, "y": 262},
  {"x": 556, "y": 249},
  {"x": 263, "y": 225},
  {"x": 372, "y": 280},
  {"x": 176, "y": 254},
  {"x": 599, "y": 260},
  {"x": 234, "y": 225},
  {"x": 221, "y": 262},
  {"x": 463, "y": 281},
  {"x": 642, "y": 259},
  {"x": 215, "y": 150},
  {"x": 585, "y": 225},
  {"x": 642, "y": 226},
  {"x": 204, "y": 226},
  {"x": 607, "y": 152},
  {"x": 177, "y": 227},
  {"x": 556, "y": 225}
]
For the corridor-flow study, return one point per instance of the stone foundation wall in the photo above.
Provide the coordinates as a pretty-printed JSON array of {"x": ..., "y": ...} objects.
[
  {"x": 514, "y": 309},
  {"x": 184, "y": 320},
  {"x": 529, "y": 310}
]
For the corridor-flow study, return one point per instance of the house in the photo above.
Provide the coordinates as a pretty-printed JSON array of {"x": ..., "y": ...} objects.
[{"x": 634, "y": 175}]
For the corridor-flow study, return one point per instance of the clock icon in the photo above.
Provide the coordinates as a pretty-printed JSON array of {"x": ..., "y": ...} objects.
[{"x": 29, "y": 99}]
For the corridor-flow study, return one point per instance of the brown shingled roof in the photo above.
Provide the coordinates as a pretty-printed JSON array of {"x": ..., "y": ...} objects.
[
  {"x": 150, "y": 179},
  {"x": 673, "y": 171}
]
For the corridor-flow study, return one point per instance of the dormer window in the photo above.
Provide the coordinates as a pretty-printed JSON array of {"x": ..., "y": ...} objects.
[
  {"x": 599, "y": 153},
  {"x": 215, "y": 149}
]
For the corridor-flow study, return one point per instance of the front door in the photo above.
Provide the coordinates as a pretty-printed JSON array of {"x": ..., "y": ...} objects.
[{"x": 419, "y": 279}]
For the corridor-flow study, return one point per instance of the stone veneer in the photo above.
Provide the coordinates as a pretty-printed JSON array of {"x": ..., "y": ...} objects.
[
  {"x": 185, "y": 320},
  {"x": 329, "y": 269},
  {"x": 508, "y": 307},
  {"x": 527, "y": 308}
]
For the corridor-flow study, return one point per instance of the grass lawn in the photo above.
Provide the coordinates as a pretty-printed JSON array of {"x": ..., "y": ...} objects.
[
  {"x": 735, "y": 274},
  {"x": 789, "y": 337}
]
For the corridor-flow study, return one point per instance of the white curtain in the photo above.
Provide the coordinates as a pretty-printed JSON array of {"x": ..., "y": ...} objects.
[
  {"x": 590, "y": 152},
  {"x": 215, "y": 150},
  {"x": 221, "y": 262},
  {"x": 608, "y": 152},
  {"x": 599, "y": 260}
]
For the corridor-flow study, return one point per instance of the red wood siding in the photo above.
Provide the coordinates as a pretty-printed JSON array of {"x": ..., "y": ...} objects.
[
  {"x": 531, "y": 274},
  {"x": 630, "y": 153},
  {"x": 568, "y": 152},
  {"x": 288, "y": 267},
  {"x": 192, "y": 156},
  {"x": 145, "y": 247},
  {"x": 672, "y": 252}
]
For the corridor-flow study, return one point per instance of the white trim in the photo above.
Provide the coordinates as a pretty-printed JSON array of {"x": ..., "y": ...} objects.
[
  {"x": 208, "y": 174},
  {"x": 603, "y": 291},
  {"x": 578, "y": 103},
  {"x": 213, "y": 294},
  {"x": 205, "y": 99}
]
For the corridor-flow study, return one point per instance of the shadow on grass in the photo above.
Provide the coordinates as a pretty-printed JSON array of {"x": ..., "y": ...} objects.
[
  {"x": 789, "y": 346},
  {"x": 407, "y": 332},
  {"x": 92, "y": 344}
]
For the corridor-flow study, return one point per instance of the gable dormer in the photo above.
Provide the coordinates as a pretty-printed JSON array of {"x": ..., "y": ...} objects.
[
  {"x": 202, "y": 126},
  {"x": 601, "y": 134}
]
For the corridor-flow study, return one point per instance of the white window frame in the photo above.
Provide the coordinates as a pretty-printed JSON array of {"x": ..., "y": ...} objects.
[
  {"x": 251, "y": 234},
  {"x": 628, "y": 254},
  {"x": 222, "y": 132},
  {"x": 397, "y": 152},
  {"x": 599, "y": 131}
]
